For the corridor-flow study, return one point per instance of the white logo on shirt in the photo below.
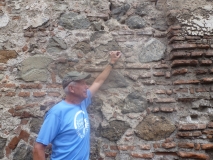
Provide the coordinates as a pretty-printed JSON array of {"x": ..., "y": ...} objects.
[{"x": 81, "y": 124}]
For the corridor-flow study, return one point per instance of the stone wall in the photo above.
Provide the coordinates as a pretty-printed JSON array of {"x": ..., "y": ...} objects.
[{"x": 156, "y": 103}]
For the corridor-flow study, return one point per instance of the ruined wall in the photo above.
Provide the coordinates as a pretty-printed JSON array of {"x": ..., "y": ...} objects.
[{"x": 156, "y": 103}]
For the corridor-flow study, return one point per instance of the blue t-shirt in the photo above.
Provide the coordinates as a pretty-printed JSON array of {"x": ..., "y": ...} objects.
[{"x": 66, "y": 127}]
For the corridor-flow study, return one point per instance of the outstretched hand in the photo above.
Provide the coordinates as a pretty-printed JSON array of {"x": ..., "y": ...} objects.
[{"x": 114, "y": 56}]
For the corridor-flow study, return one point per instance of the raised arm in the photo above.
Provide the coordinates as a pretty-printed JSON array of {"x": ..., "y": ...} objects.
[
  {"x": 114, "y": 56},
  {"x": 39, "y": 151}
]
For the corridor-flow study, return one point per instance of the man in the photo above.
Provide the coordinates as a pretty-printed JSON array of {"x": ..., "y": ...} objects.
[{"x": 66, "y": 125}]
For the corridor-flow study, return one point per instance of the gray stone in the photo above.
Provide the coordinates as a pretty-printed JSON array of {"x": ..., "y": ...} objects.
[
  {"x": 115, "y": 80},
  {"x": 56, "y": 45},
  {"x": 3, "y": 142},
  {"x": 201, "y": 103},
  {"x": 35, "y": 125},
  {"x": 35, "y": 68},
  {"x": 83, "y": 46},
  {"x": 1, "y": 76},
  {"x": 4, "y": 20},
  {"x": 97, "y": 35},
  {"x": 134, "y": 103},
  {"x": 154, "y": 128},
  {"x": 103, "y": 50},
  {"x": 160, "y": 24},
  {"x": 114, "y": 130},
  {"x": 153, "y": 50},
  {"x": 120, "y": 11},
  {"x": 73, "y": 21},
  {"x": 142, "y": 10},
  {"x": 23, "y": 152},
  {"x": 135, "y": 22},
  {"x": 35, "y": 75}
]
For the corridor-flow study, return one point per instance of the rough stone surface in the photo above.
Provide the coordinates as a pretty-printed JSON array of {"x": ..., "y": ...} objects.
[
  {"x": 135, "y": 22},
  {"x": 35, "y": 125},
  {"x": 114, "y": 130},
  {"x": 134, "y": 103},
  {"x": 23, "y": 152},
  {"x": 74, "y": 21},
  {"x": 34, "y": 68},
  {"x": 115, "y": 80},
  {"x": 56, "y": 45},
  {"x": 3, "y": 142},
  {"x": 154, "y": 128},
  {"x": 153, "y": 50}
]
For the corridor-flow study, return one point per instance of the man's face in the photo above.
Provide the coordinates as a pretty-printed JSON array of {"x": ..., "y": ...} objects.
[{"x": 80, "y": 89}]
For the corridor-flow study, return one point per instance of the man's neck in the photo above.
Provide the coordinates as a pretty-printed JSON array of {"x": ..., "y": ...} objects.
[{"x": 72, "y": 99}]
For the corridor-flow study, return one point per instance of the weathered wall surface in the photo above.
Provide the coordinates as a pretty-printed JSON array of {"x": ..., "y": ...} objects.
[{"x": 157, "y": 102}]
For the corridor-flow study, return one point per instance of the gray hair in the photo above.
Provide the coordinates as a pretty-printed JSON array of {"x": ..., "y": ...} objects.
[{"x": 66, "y": 89}]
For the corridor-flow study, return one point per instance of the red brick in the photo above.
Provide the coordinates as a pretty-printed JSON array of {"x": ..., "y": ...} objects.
[
  {"x": 178, "y": 63},
  {"x": 193, "y": 37},
  {"x": 202, "y": 90},
  {"x": 145, "y": 75},
  {"x": 193, "y": 155},
  {"x": 142, "y": 155},
  {"x": 186, "y": 145},
  {"x": 203, "y": 46},
  {"x": 10, "y": 94},
  {"x": 8, "y": 151},
  {"x": 39, "y": 94},
  {"x": 126, "y": 148},
  {"x": 24, "y": 135},
  {"x": 9, "y": 85},
  {"x": 211, "y": 70},
  {"x": 54, "y": 94},
  {"x": 113, "y": 147},
  {"x": 173, "y": 33},
  {"x": 110, "y": 154},
  {"x": 205, "y": 62},
  {"x": 53, "y": 86},
  {"x": 197, "y": 54},
  {"x": 184, "y": 46},
  {"x": 165, "y": 100},
  {"x": 156, "y": 145},
  {"x": 207, "y": 146},
  {"x": 179, "y": 82},
  {"x": 208, "y": 131},
  {"x": 145, "y": 146},
  {"x": 161, "y": 66},
  {"x": 159, "y": 74},
  {"x": 206, "y": 80},
  {"x": 197, "y": 146},
  {"x": 199, "y": 71},
  {"x": 189, "y": 134},
  {"x": 169, "y": 145},
  {"x": 166, "y": 109},
  {"x": 177, "y": 55},
  {"x": 179, "y": 71},
  {"x": 209, "y": 53},
  {"x": 176, "y": 38},
  {"x": 173, "y": 27},
  {"x": 189, "y": 127},
  {"x": 210, "y": 125},
  {"x": 181, "y": 90},
  {"x": 13, "y": 143},
  {"x": 31, "y": 86},
  {"x": 24, "y": 94},
  {"x": 25, "y": 48},
  {"x": 2, "y": 68},
  {"x": 24, "y": 121},
  {"x": 167, "y": 74}
]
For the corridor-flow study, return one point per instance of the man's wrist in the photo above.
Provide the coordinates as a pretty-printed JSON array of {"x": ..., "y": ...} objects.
[{"x": 111, "y": 64}]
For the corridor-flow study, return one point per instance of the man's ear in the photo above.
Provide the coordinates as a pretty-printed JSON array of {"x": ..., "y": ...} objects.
[{"x": 71, "y": 88}]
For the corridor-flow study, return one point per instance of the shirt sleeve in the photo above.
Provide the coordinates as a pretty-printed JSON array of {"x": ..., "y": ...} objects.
[
  {"x": 49, "y": 129},
  {"x": 87, "y": 101}
]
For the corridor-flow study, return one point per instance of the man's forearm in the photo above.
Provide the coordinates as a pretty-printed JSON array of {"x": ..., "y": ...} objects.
[{"x": 38, "y": 152}]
